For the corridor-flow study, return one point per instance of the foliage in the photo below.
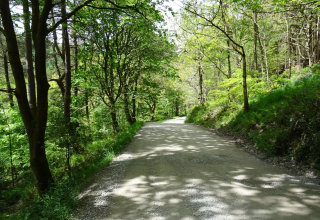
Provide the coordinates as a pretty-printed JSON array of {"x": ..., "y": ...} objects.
[
  {"x": 12, "y": 133},
  {"x": 113, "y": 70},
  {"x": 58, "y": 203},
  {"x": 282, "y": 122},
  {"x": 124, "y": 68},
  {"x": 196, "y": 115}
]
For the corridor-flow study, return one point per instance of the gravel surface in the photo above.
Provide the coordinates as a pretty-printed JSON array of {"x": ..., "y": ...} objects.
[{"x": 173, "y": 170}]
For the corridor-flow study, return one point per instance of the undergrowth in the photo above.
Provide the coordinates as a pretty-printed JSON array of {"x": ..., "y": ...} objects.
[
  {"x": 283, "y": 122},
  {"x": 58, "y": 203}
]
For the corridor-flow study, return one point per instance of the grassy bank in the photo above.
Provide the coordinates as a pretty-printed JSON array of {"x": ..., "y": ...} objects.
[
  {"x": 59, "y": 203},
  {"x": 284, "y": 122}
]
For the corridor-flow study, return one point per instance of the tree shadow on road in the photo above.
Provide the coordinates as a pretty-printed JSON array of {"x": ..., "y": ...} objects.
[{"x": 180, "y": 171}]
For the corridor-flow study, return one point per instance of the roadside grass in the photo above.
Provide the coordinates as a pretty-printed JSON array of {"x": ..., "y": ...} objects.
[
  {"x": 284, "y": 122},
  {"x": 59, "y": 203}
]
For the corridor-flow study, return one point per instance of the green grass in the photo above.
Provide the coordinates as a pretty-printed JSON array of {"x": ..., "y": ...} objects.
[
  {"x": 284, "y": 122},
  {"x": 58, "y": 204}
]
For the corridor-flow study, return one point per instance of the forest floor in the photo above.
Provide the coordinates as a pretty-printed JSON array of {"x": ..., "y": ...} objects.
[{"x": 173, "y": 170}]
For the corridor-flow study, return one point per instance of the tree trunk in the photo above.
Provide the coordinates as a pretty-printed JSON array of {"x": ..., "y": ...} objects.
[
  {"x": 289, "y": 47},
  {"x": 113, "y": 113},
  {"x": 226, "y": 29},
  {"x": 67, "y": 67},
  {"x": 57, "y": 52},
  {"x": 75, "y": 44},
  {"x": 316, "y": 55},
  {"x": 244, "y": 82},
  {"x": 134, "y": 100},
  {"x": 6, "y": 74},
  {"x": 67, "y": 84},
  {"x": 310, "y": 42},
  {"x": 35, "y": 124},
  {"x": 152, "y": 111},
  {"x": 76, "y": 64},
  {"x": 126, "y": 105},
  {"x": 177, "y": 107},
  {"x": 29, "y": 57},
  {"x": 87, "y": 105},
  {"x": 201, "y": 98},
  {"x": 255, "y": 40},
  {"x": 229, "y": 61},
  {"x": 38, "y": 161},
  {"x": 263, "y": 50},
  {"x": 38, "y": 157}
]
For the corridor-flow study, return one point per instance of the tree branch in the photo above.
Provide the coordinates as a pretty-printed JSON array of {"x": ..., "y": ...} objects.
[
  {"x": 217, "y": 27},
  {"x": 69, "y": 15},
  {"x": 134, "y": 8},
  {"x": 8, "y": 91}
]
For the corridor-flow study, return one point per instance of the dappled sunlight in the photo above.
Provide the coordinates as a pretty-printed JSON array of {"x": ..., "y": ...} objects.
[
  {"x": 240, "y": 177},
  {"x": 273, "y": 177},
  {"x": 180, "y": 171},
  {"x": 242, "y": 189},
  {"x": 175, "y": 121}
]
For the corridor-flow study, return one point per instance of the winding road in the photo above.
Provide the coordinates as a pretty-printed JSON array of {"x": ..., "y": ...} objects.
[{"x": 173, "y": 170}]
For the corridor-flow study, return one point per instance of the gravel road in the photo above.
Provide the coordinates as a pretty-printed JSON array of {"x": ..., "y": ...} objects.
[{"x": 173, "y": 170}]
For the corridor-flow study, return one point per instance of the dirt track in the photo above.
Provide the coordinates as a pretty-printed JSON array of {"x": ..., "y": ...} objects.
[{"x": 173, "y": 170}]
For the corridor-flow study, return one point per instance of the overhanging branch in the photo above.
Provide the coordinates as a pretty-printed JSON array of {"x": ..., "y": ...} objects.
[
  {"x": 217, "y": 27},
  {"x": 8, "y": 91},
  {"x": 69, "y": 15}
]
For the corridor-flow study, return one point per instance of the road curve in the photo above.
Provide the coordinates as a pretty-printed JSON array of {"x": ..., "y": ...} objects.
[{"x": 173, "y": 170}]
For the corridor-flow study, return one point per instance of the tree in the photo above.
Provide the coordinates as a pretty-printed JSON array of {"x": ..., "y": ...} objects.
[
  {"x": 6, "y": 73},
  {"x": 236, "y": 46},
  {"x": 35, "y": 122}
]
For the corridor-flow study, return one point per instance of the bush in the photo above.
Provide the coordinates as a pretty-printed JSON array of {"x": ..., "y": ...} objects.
[
  {"x": 58, "y": 203},
  {"x": 196, "y": 115}
]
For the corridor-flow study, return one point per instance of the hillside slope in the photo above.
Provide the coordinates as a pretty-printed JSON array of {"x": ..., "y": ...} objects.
[{"x": 284, "y": 122}]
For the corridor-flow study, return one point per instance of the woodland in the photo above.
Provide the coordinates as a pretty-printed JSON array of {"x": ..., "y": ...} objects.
[{"x": 78, "y": 78}]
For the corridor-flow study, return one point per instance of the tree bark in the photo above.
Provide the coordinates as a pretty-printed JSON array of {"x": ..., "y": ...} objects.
[
  {"x": 201, "y": 97},
  {"x": 316, "y": 55},
  {"x": 67, "y": 84},
  {"x": 6, "y": 74},
  {"x": 310, "y": 42},
  {"x": 113, "y": 113},
  {"x": 289, "y": 46},
  {"x": 226, "y": 29},
  {"x": 67, "y": 66},
  {"x": 38, "y": 159},
  {"x": 135, "y": 89},
  {"x": 75, "y": 44},
  {"x": 229, "y": 62},
  {"x": 152, "y": 111},
  {"x": 244, "y": 82},
  {"x": 255, "y": 40},
  {"x": 126, "y": 105},
  {"x": 29, "y": 57},
  {"x": 76, "y": 63},
  {"x": 177, "y": 107},
  {"x": 57, "y": 51}
]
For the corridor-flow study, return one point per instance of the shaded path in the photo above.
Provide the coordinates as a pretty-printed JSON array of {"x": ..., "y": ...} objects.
[{"x": 177, "y": 171}]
